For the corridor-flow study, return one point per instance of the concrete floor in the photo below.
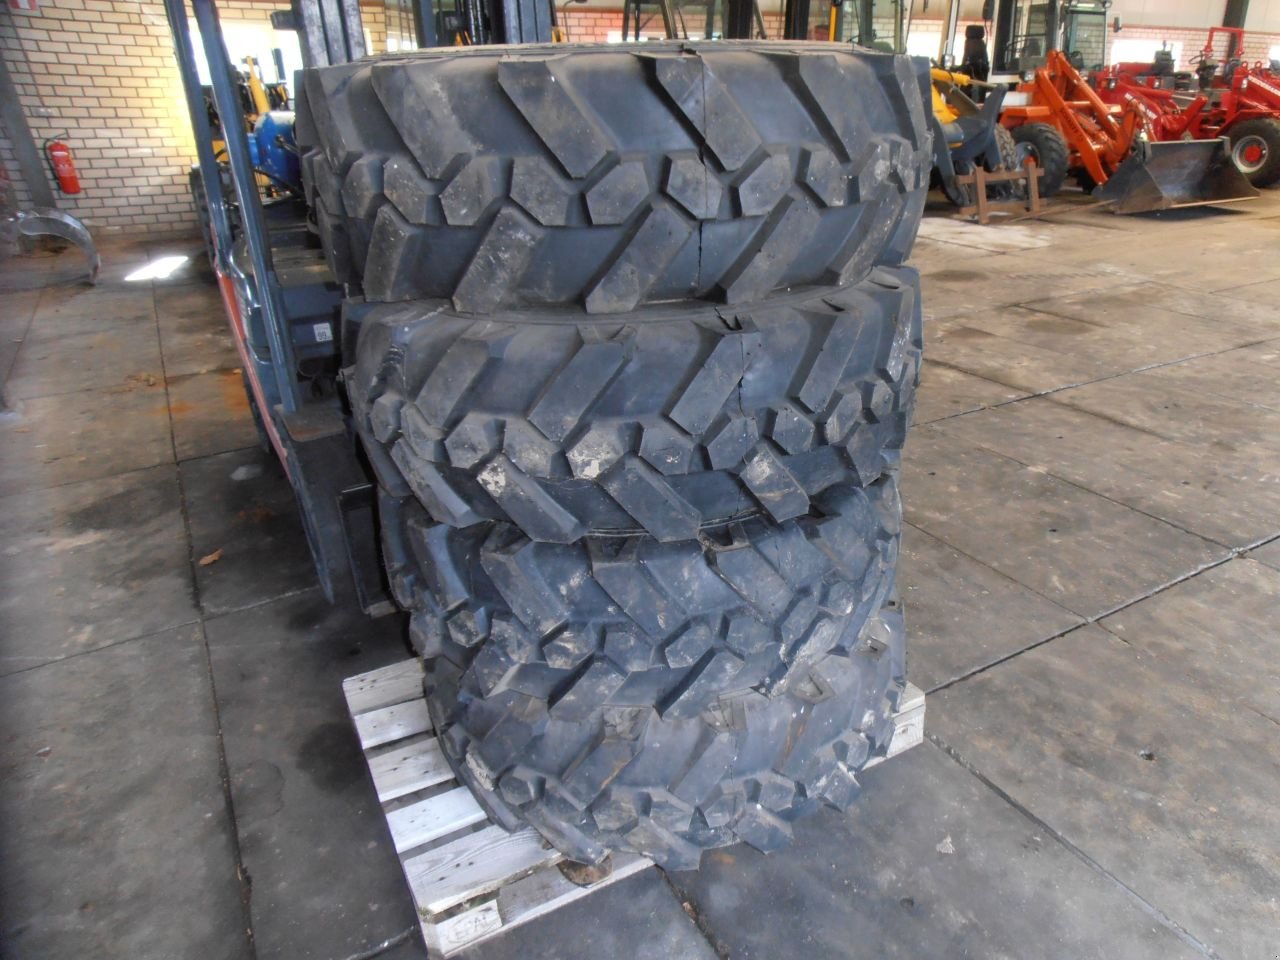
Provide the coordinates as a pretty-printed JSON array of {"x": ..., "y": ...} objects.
[{"x": 1091, "y": 573}]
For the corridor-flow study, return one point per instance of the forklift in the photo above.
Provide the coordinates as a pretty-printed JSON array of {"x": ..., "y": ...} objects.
[
  {"x": 1040, "y": 51},
  {"x": 281, "y": 298}
]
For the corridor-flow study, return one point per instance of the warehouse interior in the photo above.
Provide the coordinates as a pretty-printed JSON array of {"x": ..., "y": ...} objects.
[{"x": 1087, "y": 553}]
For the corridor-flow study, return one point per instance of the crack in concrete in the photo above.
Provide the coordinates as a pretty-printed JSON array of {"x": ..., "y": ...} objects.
[{"x": 1145, "y": 905}]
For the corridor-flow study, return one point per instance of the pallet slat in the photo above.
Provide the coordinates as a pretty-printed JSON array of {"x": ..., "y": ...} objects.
[
  {"x": 431, "y": 819},
  {"x": 473, "y": 865},
  {"x": 408, "y": 769},
  {"x": 389, "y": 724},
  {"x": 396, "y": 683}
]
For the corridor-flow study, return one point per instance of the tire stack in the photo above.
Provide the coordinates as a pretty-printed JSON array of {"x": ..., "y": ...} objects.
[{"x": 633, "y": 364}]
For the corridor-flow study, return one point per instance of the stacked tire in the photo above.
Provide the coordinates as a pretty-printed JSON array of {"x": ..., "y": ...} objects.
[{"x": 632, "y": 355}]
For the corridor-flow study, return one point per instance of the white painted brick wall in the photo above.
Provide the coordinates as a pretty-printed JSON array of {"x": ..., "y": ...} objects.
[{"x": 105, "y": 71}]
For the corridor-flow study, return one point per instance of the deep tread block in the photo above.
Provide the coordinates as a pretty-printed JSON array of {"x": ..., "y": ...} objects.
[
  {"x": 618, "y": 193},
  {"x": 551, "y": 108},
  {"x": 774, "y": 485},
  {"x": 528, "y": 504},
  {"x": 504, "y": 254},
  {"x": 576, "y": 387},
  {"x": 645, "y": 495},
  {"x": 690, "y": 184},
  {"x": 641, "y": 259},
  {"x": 761, "y": 268},
  {"x": 714, "y": 383}
]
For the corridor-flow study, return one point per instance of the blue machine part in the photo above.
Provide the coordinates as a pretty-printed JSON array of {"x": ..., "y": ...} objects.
[{"x": 273, "y": 150}]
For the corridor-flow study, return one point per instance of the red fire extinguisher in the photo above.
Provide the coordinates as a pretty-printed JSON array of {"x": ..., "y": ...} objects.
[{"x": 64, "y": 168}]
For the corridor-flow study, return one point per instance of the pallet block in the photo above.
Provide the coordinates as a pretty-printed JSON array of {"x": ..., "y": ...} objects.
[{"x": 470, "y": 879}]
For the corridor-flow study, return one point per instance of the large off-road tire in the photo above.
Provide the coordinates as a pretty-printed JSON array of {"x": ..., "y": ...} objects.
[
  {"x": 647, "y": 542},
  {"x": 1255, "y": 148},
  {"x": 1008, "y": 157},
  {"x": 620, "y": 693},
  {"x": 1045, "y": 144},
  {"x": 615, "y": 176},
  {"x": 679, "y": 419}
]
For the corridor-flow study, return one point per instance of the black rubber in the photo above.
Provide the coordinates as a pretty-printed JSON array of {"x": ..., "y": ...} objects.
[
  {"x": 620, "y": 693},
  {"x": 1049, "y": 149},
  {"x": 615, "y": 176},
  {"x": 1267, "y": 131},
  {"x": 1008, "y": 159},
  {"x": 674, "y": 420},
  {"x": 648, "y": 556}
]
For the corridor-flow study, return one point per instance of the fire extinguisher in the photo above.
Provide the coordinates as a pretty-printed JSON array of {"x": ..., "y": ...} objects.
[{"x": 64, "y": 168}]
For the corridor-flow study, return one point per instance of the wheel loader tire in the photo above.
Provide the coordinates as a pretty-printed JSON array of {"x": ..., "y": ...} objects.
[
  {"x": 612, "y": 177},
  {"x": 1047, "y": 147},
  {"x": 1009, "y": 159},
  {"x": 620, "y": 693},
  {"x": 1255, "y": 148},
  {"x": 668, "y": 423}
]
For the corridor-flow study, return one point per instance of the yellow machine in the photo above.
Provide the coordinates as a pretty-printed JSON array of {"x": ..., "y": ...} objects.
[
  {"x": 967, "y": 134},
  {"x": 945, "y": 81},
  {"x": 269, "y": 131},
  {"x": 256, "y": 99}
]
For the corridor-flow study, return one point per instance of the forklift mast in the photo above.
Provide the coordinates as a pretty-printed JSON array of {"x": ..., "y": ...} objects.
[{"x": 330, "y": 31}]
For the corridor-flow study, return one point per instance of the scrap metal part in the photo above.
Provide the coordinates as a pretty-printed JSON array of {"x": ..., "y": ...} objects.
[{"x": 50, "y": 222}]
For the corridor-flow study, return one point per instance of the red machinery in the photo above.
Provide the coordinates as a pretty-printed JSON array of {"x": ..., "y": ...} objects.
[
  {"x": 1106, "y": 146},
  {"x": 1232, "y": 98}
]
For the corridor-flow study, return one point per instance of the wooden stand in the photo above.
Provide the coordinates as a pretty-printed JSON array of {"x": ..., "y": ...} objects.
[
  {"x": 469, "y": 878},
  {"x": 979, "y": 179}
]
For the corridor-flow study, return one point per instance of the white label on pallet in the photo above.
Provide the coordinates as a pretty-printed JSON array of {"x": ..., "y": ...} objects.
[
  {"x": 324, "y": 332},
  {"x": 449, "y": 936}
]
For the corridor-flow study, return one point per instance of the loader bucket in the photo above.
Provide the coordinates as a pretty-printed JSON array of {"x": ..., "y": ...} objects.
[
  {"x": 1177, "y": 173},
  {"x": 50, "y": 222}
]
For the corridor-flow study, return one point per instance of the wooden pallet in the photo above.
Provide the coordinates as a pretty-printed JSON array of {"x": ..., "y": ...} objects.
[{"x": 469, "y": 878}]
